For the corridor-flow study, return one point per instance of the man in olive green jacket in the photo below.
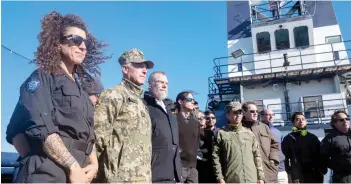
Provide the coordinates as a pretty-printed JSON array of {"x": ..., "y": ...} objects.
[{"x": 236, "y": 153}]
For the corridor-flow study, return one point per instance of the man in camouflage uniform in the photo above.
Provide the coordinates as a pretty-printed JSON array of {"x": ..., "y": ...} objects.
[
  {"x": 123, "y": 125},
  {"x": 236, "y": 153}
]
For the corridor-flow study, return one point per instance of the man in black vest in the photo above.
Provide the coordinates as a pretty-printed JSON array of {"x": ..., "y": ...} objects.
[{"x": 165, "y": 162}]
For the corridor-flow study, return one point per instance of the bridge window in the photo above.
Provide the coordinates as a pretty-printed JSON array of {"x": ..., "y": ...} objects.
[
  {"x": 313, "y": 106},
  {"x": 333, "y": 39},
  {"x": 263, "y": 42},
  {"x": 282, "y": 39},
  {"x": 301, "y": 36}
]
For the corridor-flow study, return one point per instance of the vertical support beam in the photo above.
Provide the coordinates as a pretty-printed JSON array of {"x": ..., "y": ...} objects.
[
  {"x": 336, "y": 80},
  {"x": 241, "y": 93},
  {"x": 287, "y": 102}
]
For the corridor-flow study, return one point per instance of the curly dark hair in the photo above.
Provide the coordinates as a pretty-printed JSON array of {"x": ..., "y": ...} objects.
[{"x": 48, "y": 56}]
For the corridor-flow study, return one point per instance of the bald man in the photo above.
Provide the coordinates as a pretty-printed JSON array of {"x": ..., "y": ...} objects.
[{"x": 268, "y": 118}]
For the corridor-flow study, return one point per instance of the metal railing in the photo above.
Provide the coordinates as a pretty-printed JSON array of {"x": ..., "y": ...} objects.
[
  {"x": 311, "y": 57},
  {"x": 299, "y": 58},
  {"x": 320, "y": 114},
  {"x": 263, "y": 13}
]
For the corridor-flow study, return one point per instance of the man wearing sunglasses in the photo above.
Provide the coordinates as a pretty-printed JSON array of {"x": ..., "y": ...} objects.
[
  {"x": 165, "y": 162},
  {"x": 123, "y": 125},
  {"x": 268, "y": 144},
  {"x": 336, "y": 148},
  {"x": 189, "y": 136},
  {"x": 205, "y": 168},
  {"x": 236, "y": 152}
]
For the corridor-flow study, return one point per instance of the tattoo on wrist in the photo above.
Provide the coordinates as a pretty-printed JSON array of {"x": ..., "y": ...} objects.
[{"x": 56, "y": 150}]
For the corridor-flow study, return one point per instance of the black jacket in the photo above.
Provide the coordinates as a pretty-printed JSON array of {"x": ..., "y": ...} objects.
[
  {"x": 205, "y": 165},
  {"x": 165, "y": 162},
  {"x": 336, "y": 154},
  {"x": 302, "y": 157}
]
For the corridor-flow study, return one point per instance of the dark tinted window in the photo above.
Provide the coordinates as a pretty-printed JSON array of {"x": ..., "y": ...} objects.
[
  {"x": 282, "y": 39},
  {"x": 263, "y": 42},
  {"x": 301, "y": 36}
]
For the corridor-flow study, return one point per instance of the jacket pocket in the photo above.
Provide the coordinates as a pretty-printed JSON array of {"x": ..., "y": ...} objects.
[{"x": 265, "y": 143}]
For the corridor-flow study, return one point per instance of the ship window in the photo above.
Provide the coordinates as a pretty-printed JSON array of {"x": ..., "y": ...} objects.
[
  {"x": 333, "y": 39},
  {"x": 282, "y": 39},
  {"x": 263, "y": 42},
  {"x": 301, "y": 36},
  {"x": 313, "y": 106}
]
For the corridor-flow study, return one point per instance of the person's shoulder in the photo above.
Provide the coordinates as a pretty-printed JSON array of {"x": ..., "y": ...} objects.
[
  {"x": 288, "y": 137},
  {"x": 114, "y": 93},
  {"x": 248, "y": 132},
  {"x": 263, "y": 125},
  {"x": 39, "y": 74},
  {"x": 312, "y": 135},
  {"x": 38, "y": 78}
]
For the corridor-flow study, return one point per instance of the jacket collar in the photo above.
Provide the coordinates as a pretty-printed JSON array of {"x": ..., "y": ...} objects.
[
  {"x": 132, "y": 87},
  {"x": 249, "y": 124},
  {"x": 234, "y": 128}
]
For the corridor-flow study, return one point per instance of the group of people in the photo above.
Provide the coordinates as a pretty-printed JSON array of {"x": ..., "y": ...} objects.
[
  {"x": 250, "y": 149},
  {"x": 68, "y": 129}
]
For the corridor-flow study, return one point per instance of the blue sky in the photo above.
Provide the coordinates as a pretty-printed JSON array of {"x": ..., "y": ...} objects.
[{"x": 182, "y": 38}]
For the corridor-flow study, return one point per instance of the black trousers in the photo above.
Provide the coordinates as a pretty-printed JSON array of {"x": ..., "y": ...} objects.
[{"x": 206, "y": 172}]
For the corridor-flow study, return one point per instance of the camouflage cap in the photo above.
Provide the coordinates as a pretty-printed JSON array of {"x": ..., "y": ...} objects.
[
  {"x": 134, "y": 56},
  {"x": 233, "y": 106}
]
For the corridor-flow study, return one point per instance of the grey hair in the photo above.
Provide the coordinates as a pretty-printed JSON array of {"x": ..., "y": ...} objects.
[{"x": 152, "y": 77}]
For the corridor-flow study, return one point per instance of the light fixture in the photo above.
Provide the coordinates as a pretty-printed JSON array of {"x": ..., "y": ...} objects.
[{"x": 237, "y": 53}]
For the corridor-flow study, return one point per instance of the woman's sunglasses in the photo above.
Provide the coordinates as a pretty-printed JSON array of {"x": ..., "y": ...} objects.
[{"x": 75, "y": 39}]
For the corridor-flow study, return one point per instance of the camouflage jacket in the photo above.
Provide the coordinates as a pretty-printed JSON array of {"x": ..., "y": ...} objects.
[
  {"x": 236, "y": 156},
  {"x": 123, "y": 135}
]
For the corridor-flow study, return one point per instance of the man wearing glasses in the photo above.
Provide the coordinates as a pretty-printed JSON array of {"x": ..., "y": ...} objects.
[
  {"x": 269, "y": 146},
  {"x": 205, "y": 167},
  {"x": 268, "y": 118},
  {"x": 189, "y": 136},
  {"x": 336, "y": 148},
  {"x": 236, "y": 152}
]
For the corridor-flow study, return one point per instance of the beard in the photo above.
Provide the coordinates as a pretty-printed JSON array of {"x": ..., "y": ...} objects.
[{"x": 159, "y": 95}]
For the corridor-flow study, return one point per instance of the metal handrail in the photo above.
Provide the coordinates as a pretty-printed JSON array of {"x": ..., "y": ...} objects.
[
  {"x": 218, "y": 73},
  {"x": 287, "y": 50},
  {"x": 320, "y": 110}
]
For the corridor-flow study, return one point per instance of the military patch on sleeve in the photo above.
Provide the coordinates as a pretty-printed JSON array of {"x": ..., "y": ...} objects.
[{"x": 32, "y": 85}]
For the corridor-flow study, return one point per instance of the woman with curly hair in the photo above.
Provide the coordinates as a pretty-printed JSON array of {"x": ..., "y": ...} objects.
[{"x": 52, "y": 124}]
